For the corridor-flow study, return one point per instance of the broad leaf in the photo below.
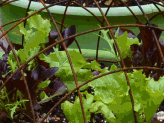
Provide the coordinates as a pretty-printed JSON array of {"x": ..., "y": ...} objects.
[
  {"x": 73, "y": 112},
  {"x": 65, "y": 34}
]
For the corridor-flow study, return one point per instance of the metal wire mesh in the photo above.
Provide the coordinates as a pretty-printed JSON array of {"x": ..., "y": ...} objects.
[{"x": 111, "y": 35}]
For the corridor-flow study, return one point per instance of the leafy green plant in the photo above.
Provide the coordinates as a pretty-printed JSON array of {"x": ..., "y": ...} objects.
[
  {"x": 111, "y": 97},
  {"x": 10, "y": 108},
  {"x": 123, "y": 41},
  {"x": 111, "y": 91},
  {"x": 34, "y": 38},
  {"x": 111, "y": 94}
]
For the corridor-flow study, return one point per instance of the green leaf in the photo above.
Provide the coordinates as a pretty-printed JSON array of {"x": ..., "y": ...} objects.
[
  {"x": 13, "y": 65},
  {"x": 14, "y": 106},
  {"x": 82, "y": 76},
  {"x": 39, "y": 30},
  {"x": 44, "y": 84},
  {"x": 34, "y": 38},
  {"x": 122, "y": 108},
  {"x": 73, "y": 112},
  {"x": 100, "y": 107},
  {"x": 147, "y": 95},
  {"x": 113, "y": 92},
  {"x": 13, "y": 110},
  {"x": 36, "y": 21},
  {"x": 108, "y": 86},
  {"x": 49, "y": 98},
  {"x": 56, "y": 59},
  {"x": 1, "y": 55},
  {"x": 159, "y": 85},
  {"x": 43, "y": 95},
  {"x": 25, "y": 55},
  {"x": 110, "y": 42},
  {"x": 22, "y": 29},
  {"x": 117, "y": 32},
  {"x": 77, "y": 58},
  {"x": 156, "y": 94},
  {"x": 124, "y": 44},
  {"x": 93, "y": 65},
  {"x": 12, "y": 61},
  {"x": 155, "y": 99},
  {"x": 65, "y": 72}
]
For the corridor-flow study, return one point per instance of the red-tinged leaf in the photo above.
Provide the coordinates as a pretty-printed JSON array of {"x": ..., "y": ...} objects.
[
  {"x": 50, "y": 72},
  {"x": 137, "y": 55},
  {"x": 5, "y": 56},
  {"x": 41, "y": 74},
  {"x": 65, "y": 34},
  {"x": 44, "y": 64},
  {"x": 147, "y": 37},
  {"x": 52, "y": 36},
  {"x": 161, "y": 41},
  {"x": 49, "y": 50},
  {"x": 37, "y": 107},
  {"x": 2, "y": 46},
  {"x": 128, "y": 62},
  {"x": 96, "y": 73},
  {"x": 46, "y": 89},
  {"x": 57, "y": 86},
  {"x": 3, "y": 67},
  {"x": 6, "y": 50},
  {"x": 149, "y": 48},
  {"x": 17, "y": 46},
  {"x": 37, "y": 73},
  {"x": 15, "y": 82}
]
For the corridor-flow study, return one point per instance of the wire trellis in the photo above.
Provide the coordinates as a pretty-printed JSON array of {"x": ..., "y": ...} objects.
[{"x": 111, "y": 35}]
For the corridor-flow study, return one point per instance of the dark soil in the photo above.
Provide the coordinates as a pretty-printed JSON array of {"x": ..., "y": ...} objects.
[{"x": 102, "y": 3}]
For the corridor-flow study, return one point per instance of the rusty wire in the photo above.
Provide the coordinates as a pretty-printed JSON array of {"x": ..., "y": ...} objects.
[
  {"x": 122, "y": 61},
  {"x": 24, "y": 79},
  {"x": 76, "y": 35},
  {"x": 62, "y": 41},
  {"x": 71, "y": 65}
]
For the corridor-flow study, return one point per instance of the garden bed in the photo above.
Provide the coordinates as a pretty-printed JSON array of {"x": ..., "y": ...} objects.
[
  {"x": 102, "y": 3},
  {"x": 130, "y": 89}
]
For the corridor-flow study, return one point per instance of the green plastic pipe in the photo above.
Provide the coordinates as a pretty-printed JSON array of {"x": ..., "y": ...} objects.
[
  {"x": 114, "y": 11},
  {"x": 88, "y": 53}
]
